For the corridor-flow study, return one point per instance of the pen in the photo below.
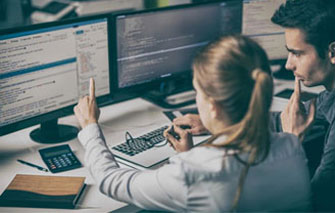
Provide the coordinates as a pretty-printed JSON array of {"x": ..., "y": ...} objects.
[
  {"x": 33, "y": 165},
  {"x": 173, "y": 133}
]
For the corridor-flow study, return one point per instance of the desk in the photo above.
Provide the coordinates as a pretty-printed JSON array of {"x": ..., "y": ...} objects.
[
  {"x": 18, "y": 145},
  {"x": 136, "y": 115}
]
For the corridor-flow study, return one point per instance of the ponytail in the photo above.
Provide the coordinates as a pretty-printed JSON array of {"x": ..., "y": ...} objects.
[
  {"x": 253, "y": 132},
  {"x": 234, "y": 71}
]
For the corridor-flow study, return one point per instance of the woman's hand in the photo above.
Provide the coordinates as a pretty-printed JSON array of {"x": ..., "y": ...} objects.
[
  {"x": 179, "y": 139},
  {"x": 193, "y": 122},
  {"x": 86, "y": 110}
]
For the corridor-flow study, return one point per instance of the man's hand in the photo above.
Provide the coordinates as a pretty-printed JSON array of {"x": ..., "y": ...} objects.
[
  {"x": 179, "y": 139},
  {"x": 193, "y": 122},
  {"x": 294, "y": 118},
  {"x": 86, "y": 110}
]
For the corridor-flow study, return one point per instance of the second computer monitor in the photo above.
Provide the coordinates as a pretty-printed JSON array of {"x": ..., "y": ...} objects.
[
  {"x": 160, "y": 44},
  {"x": 257, "y": 25}
]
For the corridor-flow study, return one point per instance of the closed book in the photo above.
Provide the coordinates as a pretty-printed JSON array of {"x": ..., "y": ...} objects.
[{"x": 43, "y": 191}]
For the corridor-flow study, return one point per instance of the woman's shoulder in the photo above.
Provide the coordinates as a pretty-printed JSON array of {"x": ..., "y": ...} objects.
[
  {"x": 202, "y": 157},
  {"x": 212, "y": 159},
  {"x": 200, "y": 153}
]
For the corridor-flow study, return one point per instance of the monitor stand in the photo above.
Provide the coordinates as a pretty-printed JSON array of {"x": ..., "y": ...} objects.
[
  {"x": 52, "y": 132},
  {"x": 172, "y": 101}
]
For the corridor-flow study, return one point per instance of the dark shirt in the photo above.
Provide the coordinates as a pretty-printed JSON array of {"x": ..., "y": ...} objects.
[{"x": 323, "y": 180}]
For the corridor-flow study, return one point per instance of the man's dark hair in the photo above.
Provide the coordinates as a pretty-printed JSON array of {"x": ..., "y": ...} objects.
[{"x": 316, "y": 18}]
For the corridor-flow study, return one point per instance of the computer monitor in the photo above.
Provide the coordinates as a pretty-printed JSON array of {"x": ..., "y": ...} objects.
[
  {"x": 257, "y": 25},
  {"x": 45, "y": 69},
  {"x": 154, "y": 48}
]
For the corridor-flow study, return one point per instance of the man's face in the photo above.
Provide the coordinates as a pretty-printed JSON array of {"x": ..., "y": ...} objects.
[{"x": 304, "y": 60}]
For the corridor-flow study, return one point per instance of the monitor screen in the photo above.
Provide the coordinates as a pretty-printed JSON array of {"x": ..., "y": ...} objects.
[
  {"x": 47, "y": 68},
  {"x": 159, "y": 44},
  {"x": 257, "y": 24}
]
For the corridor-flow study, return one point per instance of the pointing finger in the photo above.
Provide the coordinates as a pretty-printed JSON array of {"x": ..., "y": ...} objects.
[
  {"x": 297, "y": 89},
  {"x": 92, "y": 88}
]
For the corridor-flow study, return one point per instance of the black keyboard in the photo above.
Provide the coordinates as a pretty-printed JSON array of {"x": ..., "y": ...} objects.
[{"x": 142, "y": 143}]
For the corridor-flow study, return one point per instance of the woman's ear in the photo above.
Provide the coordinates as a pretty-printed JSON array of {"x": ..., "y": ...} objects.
[{"x": 332, "y": 52}]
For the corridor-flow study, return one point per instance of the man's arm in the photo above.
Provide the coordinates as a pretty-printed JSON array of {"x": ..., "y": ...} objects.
[
  {"x": 295, "y": 118},
  {"x": 323, "y": 181}
]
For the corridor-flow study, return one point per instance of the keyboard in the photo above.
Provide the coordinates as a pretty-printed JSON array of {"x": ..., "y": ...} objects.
[
  {"x": 147, "y": 150},
  {"x": 142, "y": 143}
]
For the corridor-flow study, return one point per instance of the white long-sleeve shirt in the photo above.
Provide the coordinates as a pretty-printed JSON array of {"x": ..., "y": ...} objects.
[{"x": 205, "y": 179}]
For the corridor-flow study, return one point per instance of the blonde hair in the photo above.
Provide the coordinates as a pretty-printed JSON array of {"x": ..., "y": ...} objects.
[{"x": 234, "y": 71}]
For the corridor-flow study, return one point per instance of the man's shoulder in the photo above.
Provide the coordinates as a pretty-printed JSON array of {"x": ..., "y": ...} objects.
[
  {"x": 326, "y": 104},
  {"x": 326, "y": 95}
]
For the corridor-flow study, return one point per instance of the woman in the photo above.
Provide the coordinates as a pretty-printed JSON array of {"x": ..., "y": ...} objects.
[{"x": 244, "y": 167}]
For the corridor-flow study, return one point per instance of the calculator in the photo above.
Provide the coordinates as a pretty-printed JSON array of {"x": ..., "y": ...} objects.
[{"x": 59, "y": 158}]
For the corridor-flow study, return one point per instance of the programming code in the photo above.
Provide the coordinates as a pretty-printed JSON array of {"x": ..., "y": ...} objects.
[{"x": 160, "y": 43}]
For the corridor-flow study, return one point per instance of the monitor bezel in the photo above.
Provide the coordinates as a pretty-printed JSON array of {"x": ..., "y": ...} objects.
[
  {"x": 140, "y": 88},
  {"x": 68, "y": 110}
]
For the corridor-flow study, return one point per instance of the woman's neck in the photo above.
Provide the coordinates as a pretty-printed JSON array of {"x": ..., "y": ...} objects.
[{"x": 218, "y": 126}]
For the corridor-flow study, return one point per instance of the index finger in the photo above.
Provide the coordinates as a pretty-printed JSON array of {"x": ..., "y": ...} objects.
[
  {"x": 297, "y": 89},
  {"x": 92, "y": 88}
]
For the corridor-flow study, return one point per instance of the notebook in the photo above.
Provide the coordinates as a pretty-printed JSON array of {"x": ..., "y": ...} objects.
[{"x": 43, "y": 191}]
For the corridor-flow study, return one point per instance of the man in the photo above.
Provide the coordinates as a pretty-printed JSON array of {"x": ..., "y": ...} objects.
[{"x": 310, "y": 40}]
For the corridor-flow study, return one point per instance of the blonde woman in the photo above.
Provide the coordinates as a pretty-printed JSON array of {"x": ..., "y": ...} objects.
[{"x": 244, "y": 166}]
